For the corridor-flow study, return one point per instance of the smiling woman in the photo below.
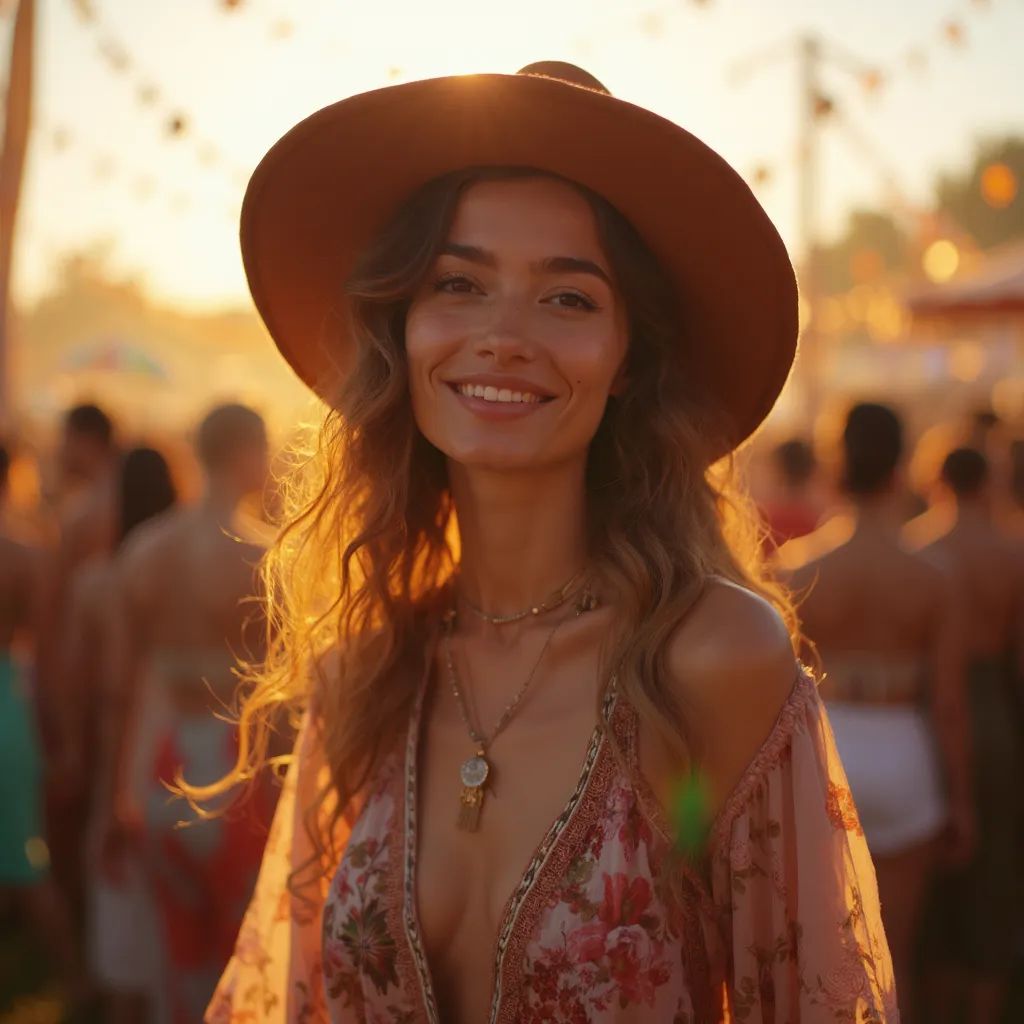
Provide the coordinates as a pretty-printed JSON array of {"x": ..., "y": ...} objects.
[{"x": 515, "y": 606}]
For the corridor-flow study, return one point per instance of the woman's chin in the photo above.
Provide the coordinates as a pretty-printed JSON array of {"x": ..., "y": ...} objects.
[{"x": 497, "y": 459}]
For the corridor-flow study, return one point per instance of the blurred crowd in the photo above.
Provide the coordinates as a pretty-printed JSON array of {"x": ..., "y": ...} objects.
[
  {"x": 125, "y": 612},
  {"x": 908, "y": 570}
]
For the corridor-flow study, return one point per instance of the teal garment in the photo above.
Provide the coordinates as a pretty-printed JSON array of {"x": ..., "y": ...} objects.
[{"x": 23, "y": 852}]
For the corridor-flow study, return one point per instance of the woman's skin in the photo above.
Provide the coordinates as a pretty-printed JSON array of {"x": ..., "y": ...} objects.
[
  {"x": 868, "y": 594},
  {"x": 523, "y": 298}
]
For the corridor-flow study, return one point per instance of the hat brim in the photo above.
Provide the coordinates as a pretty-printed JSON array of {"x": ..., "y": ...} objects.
[{"x": 325, "y": 189}]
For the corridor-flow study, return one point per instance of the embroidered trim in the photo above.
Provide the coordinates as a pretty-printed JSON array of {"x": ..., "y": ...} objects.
[
  {"x": 421, "y": 979},
  {"x": 547, "y": 867},
  {"x": 792, "y": 718},
  {"x": 405, "y": 965}
]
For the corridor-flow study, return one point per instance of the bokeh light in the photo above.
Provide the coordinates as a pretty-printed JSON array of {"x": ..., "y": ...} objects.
[
  {"x": 966, "y": 361},
  {"x": 998, "y": 185},
  {"x": 941, "y": 260}
]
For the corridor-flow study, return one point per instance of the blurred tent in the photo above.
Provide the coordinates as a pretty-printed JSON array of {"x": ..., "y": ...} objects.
[
  {"x": 993, "y": 290},
  {"x": 114, "y": 355}
]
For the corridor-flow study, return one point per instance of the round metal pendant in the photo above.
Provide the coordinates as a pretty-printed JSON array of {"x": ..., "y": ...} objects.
[{"x": 474, "y": 772}]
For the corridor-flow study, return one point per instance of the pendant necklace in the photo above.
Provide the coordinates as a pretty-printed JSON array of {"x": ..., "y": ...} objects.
[{"x": 475, "y": 771}]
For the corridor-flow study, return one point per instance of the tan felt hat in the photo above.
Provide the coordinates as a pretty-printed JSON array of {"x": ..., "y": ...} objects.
[{"x": 325, "y": 189}]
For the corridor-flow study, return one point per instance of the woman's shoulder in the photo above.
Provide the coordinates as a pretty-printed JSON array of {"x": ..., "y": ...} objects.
[
  {"x": 731, "y": 638},
  {"x": 731, "y": 667}
]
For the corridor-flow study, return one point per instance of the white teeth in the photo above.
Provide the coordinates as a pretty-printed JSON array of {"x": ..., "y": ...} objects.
[{"x": 493, "y": 394}]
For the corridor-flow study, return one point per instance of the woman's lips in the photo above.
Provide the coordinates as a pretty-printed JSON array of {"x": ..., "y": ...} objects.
[{"x": 499, "y": 403}]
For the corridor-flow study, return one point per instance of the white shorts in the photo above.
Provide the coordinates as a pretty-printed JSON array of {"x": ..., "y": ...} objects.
[
  {"x": 125, "y": 940},
  {"x": 889, "y": 756}
]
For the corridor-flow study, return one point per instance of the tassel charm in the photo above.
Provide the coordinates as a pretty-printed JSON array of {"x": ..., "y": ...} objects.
[{"x": 474, "y": 773}]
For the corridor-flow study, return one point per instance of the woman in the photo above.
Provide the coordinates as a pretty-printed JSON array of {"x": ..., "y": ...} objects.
[
  {"x": 885, "y": 625},
  {"x": 125, "y": 952},
  {"x": 482, "y": 276}
]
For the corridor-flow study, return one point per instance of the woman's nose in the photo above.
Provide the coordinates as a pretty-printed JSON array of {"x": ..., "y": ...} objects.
[{"x": 506, "y": 338}]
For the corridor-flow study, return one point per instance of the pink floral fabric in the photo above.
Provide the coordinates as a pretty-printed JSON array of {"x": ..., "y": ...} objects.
[{"x": 778, "y": 924}]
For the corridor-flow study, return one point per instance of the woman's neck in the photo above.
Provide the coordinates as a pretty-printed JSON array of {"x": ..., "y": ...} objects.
[{"x": 523, "y": 535}]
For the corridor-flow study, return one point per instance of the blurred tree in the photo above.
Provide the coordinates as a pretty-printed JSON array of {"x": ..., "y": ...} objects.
[
  {"x": 987, "y": 201},
  {"x": 873, "y": 245}
]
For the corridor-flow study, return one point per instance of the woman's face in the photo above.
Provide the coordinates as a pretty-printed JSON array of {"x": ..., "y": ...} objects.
[{"x": 518, "y": 334}]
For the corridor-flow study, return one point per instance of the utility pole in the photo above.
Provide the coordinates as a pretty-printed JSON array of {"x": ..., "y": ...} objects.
[
  {"x": 17, "y": 119},
  {"x": 814, "y": 107}
]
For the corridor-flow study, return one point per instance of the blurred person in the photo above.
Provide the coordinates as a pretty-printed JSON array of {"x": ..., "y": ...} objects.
[
  {"x": 185, "y": 589},
  {"x": 24, "y": 856},
  {"x": 479, "y": 811},
  {"x": 884, "y": 622},
  {"x": 122, "y": 936},
  {"x": 88, "y": 461},
  {"x": 792, "y": 509},
  {"x": 975, "y": 912}
]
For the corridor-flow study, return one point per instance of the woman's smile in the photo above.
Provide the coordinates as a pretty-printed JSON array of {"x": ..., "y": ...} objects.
[{"x": 499, "y": 397}]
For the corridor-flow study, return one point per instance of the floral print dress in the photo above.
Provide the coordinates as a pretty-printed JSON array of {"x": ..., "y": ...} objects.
[{"x": 779, "y": 923}]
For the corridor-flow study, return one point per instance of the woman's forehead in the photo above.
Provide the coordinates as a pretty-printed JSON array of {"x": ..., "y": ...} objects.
[{"x": 538, "y": 214}]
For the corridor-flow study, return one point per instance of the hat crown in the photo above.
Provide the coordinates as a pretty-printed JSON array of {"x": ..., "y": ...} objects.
[{"x": 563, "y": 71}]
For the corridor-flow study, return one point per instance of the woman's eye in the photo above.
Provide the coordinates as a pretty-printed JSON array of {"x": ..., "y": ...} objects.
[
  {"x": 573, "y": 300},
  {"x": 454, "y": 284}
]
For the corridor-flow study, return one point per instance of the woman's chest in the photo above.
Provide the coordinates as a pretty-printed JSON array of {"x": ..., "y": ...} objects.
[
  {"x": 467, "y": 881},
  {"x": 574, "y": 922}
]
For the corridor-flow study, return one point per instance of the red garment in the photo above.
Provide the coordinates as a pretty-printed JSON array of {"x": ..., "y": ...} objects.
[{"x": 202, "y": 874}]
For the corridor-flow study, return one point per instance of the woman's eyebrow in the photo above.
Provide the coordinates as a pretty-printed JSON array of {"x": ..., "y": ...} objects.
[
  {"x": 572, "y": 265},
  {"x": 551, "y": 265}
]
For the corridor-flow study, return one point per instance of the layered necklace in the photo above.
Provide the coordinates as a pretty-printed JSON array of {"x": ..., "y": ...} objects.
[{"x": 475, "y": 771}]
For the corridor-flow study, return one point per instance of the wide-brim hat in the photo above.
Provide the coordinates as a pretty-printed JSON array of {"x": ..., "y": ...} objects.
[{"x": 325, "y": 189}]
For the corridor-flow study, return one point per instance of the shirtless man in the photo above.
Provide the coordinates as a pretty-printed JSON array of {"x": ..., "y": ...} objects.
[
  {"x": 88, "y": 463},
  {"x": 187, "y": 584},
  {"x": 974, "y": 919},
  {"x": 24, "y": 856},
  {"x": 884, "y": 623}
]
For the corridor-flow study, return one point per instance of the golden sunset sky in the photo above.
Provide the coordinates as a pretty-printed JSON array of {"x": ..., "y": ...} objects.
[{"x": 105, "y": 170}]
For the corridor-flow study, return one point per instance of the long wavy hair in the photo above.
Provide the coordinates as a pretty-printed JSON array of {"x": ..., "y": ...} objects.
[{"x": 368, "y": 538}]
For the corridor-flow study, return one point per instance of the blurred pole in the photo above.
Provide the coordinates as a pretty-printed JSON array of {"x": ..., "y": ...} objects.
[
  {"x": 18, "y": 113},
  {"x": 809, "y": 365},
  {"x": 814, "y": 107}
]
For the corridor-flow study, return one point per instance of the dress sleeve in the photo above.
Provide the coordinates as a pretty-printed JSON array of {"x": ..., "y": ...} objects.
[
  {"x": 794, "y": 886},
  {"x": 275, "y": 974}
]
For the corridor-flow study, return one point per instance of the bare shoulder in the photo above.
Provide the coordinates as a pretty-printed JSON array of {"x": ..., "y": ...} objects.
[
  {"x": 733, "y": 640},
  {"x": 731, "y": 667}
]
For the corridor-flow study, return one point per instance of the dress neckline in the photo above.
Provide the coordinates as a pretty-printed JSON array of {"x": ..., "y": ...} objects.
[{"x": 548, "y": 857}]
